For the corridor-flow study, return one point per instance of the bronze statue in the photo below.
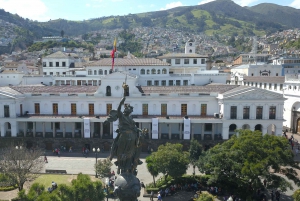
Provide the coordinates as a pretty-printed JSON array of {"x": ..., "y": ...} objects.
[{"x": 127, "y": 145}]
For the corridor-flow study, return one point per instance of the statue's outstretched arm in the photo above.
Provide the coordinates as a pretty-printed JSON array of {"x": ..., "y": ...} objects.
[{"x": 120, "y": 105}]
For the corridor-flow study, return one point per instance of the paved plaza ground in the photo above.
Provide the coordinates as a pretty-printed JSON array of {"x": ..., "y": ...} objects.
[{"x": 75, "y": 163}]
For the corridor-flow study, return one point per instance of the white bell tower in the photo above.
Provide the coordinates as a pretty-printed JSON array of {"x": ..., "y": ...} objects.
[{"x": 190, "y": 47}]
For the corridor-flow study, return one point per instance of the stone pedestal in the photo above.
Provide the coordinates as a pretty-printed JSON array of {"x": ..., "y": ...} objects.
[{"x": 127, "y": 187}]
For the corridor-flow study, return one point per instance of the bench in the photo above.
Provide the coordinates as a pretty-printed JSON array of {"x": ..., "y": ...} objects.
[{"x": 56, "y": 171}]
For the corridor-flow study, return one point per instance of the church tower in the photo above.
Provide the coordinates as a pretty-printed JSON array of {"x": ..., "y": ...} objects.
[{"x": 190, "y": 47}]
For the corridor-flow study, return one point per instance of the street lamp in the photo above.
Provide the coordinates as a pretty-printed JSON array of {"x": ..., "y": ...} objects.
[
  {"x": 19, "y": 147},
  {"x": 96, "y": 155}
]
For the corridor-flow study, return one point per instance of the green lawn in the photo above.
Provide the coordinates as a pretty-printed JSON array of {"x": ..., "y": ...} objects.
[{"x": 46, "y": 179}]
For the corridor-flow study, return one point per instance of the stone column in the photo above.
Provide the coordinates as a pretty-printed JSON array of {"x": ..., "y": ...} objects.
[
  {"x": 253, "y": 111},
  {"x": 239, "y": 111},
  {"x": 266, "y": 111},
  {"x": 44, "y": 129},
  {"x": 170, "y": 130},
  {"x": 2, "y": 125},
  {"x": 202, "y": 131},
  {"x": 225, "y": 132},
  {"x": 213, "y": 131},
  {"x": 101, "y": 129},
  {"x": 73, "y": 130},
  {"x": 180, "y": 130},
  {"x": 159, "y": 131},
  {"x": 64, "y": 129},
  {"x": 34, "y": 129},
  {"x": 53, "y": 129},
  {"x": 149, "y": 131}
]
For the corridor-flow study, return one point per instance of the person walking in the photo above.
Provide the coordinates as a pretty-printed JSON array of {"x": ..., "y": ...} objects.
[
  {"x": 45, "y": 159},
  {"x": 151, "y": 196}
]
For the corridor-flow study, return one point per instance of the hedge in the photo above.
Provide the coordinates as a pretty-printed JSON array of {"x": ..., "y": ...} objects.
[{"x": 8, "y": 188}]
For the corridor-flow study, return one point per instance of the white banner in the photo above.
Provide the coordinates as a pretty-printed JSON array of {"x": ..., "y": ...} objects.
[
  {"x": 155, "y": 128},
  {"x": 115, "y": 127},
  {"x": 187, "y": 129},
  {"x": 86, "y": 128}
]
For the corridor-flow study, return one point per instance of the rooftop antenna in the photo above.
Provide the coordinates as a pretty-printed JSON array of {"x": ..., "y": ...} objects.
[{"x": 254, "y": 49}]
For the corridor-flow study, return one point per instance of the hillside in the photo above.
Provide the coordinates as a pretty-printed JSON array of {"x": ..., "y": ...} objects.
[{"x": 281, "y": 14}]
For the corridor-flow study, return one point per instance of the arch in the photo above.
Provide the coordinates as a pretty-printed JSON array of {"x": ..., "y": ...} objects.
[
  {"x": 153, "y": 71},
  {"x": 100, "y": 72},
  {"x": 164, "y": 71},
  {"x": 158, "y": 71},
  {"x": 95, "y": 72},
  {"x": 108, "y": 91},
  {"x": 142, "y": 71},
  {"x": 246, "y": 126},
  {"x": 232, "y": 127},
  {"x": 148, "y": 71},
  {"x": 258, "y": 127},
  {"x": 271, "y": 129},
  {"x": 89, "y": 72}
]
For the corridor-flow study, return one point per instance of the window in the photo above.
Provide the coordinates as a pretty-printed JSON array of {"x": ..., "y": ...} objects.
[
  {"x": 100, "y": 72},
  {"x": 158, "y": 71},
  {"x": 55, "y": 108},
  {"x": 270, "y": 86},
  {"x": 156, "y": 83},
  {"x": 91, "y": 109},
  {"x": 203, "y": 109},
  {"x": 30, "y": 125},
  {"x": 145, "y": 109},
  {"x": 208, "y": 127},
  {"x": 148, "y": 71},
  {"x": 50, "y": 64},
  {"x": 233, "y": 112},
  {"x": 164, "y": 109},
  {"x": 56, "y": 125},
  {"x": 275, "y": 87},
  {"x": 164, "y": 71},
  {"x": 149, "y": 83},
  {"x": 170, "y": 82},
  {"x": 94, "y": 82},
  {"x": 142, "y": 71},
  {"x": 272, "y": 112},
  {"x": 153, "y": 71},
  {"x": 105, "y": 72},
  {"x": 183, "y": 109},
  {"x": 281, "y": 86},
  {"x": 186, "y": 61},
  {"x": 37, "y": 108},
  {"x": 108, "y": 91},
  {"x": 6, "y": 110},
  {"x": 44, "y": 64},
  {"x": 108, "y": 108},
  {"x": 246, "y": 112},
  {"x": 168, "y": 61},
  {"x": 57, "y": 64},
  {"x": 276, "y": 74},
  {"x": 64, "y": 64},
  {"x": 185, "y": 82},
  {"x": 73, "y": 108},
  {"x": 163, "y": 83},
  {"x": 177, "y": 61},
  {"x": 95, "y": 72},
  {"x": 90, "y": 72},
  {"x": 77, "y": 125},
  {"x": 194, "y": 61},
  {"x": 202, "y": 61},
  {"x": 259, "y": 112},
  {"x": 177, "y": 82},
  {"x": 265, "y": 85}
]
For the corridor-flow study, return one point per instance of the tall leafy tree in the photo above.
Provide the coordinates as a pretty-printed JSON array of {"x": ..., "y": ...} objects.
[
  {"x": 195, "y": 152},
  {"x": 171, "y": 160},
  {"x": 103, "y": 167},
  {"x": 245, "y": 160},
  {"x": 152, "y": 168}
]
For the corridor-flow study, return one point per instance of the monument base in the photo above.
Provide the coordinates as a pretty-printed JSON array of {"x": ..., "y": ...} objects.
[{"x": 127, "y": 187}]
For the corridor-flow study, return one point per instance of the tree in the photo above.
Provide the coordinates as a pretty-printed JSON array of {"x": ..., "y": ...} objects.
[
  {"x": 21, "y": 165},
  {"x": 245, "y": 160},
  {"x": 296, "y": 195},
  {"x": 171, "y": 160},
  {"x": 103, "y": 167},
  {"x": 82, "y": 188},
  {"x": 151, "y": 166},
  {"x": 205, "y": 197},
  {"x": 195, "y": 152}
]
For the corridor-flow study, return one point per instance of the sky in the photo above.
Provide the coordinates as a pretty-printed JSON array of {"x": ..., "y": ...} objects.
[{"x": 45, "y": 10}]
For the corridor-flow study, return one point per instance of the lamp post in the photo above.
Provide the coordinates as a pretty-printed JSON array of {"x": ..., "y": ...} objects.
[
  {"x": 96, "y": 151},
  {"x": 19, "y": 147}
]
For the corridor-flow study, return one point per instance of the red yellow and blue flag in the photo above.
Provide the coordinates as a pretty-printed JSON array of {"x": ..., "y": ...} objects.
[{"x": 112, "y": 54}]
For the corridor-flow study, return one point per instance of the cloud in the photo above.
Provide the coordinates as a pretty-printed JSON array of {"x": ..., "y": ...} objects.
[
  {"x": 33, "y": 9},
  {"x": 172, "y": 5},
  {"x": 205, "y": 1},
  {"x": 295, "y": 4}
]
